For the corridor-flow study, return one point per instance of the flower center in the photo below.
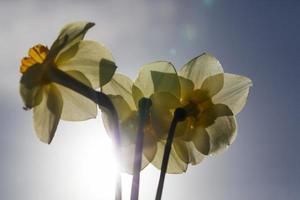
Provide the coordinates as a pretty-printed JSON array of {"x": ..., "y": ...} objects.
[
  {"x": 36, "y": 54},
  {"x": 198, "y": 102}
]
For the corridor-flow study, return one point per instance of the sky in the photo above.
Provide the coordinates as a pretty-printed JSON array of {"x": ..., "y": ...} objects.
[{"x": 257, "y": 39}]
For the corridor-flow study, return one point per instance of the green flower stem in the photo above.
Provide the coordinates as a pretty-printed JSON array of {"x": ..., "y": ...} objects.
[
  {"x": 179, "y": 115},
  {"x": 144, "y": 106},
  {"x": 99, "y": 98}
]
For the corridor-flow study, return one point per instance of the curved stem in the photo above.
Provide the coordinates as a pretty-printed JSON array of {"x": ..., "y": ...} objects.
[
  {"x": 99, "y": 98},
  {"x": 144, "y": 106},
  {"x": 179, "y": 115}
]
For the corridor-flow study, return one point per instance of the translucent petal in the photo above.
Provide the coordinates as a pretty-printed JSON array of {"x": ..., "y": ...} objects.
[
  {"x": 158, "y": 76},
  {"x": 69, "y": 35},
  {"x": 201, "y": 140},
  {"x": 137, "y": 94},
  {"x": 186, "y": 88},
  {"x": 47, "y": 114},
  {"x": 76, "y": 107},
  {"x": 175, "y": 166},
  {"x": 149, "y": 145},
  {"x": 30, "y": 86},
  {"x": 187, "y": 152},
  {"x": 201, "y": 67},
  {"x": 181, "y": 150},
  {"x": 90, "y": 58},
  {"x": 120, "y": 85},
  {"x": 127, "y": 159},
  {"x": 234, "y": 93},
  {"x": 128, "y": 121},
  {"x": 209, "y": 116},
  {"x": 163, "y": 106},
  {"x": 213, "y": 84},
  {"x": 222, "y": 133}
]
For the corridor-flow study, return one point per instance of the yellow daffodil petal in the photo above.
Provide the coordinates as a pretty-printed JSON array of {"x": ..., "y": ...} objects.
[
  {"x": 76, "y": 107},
  {"x": 213, "y": 84},
  {"x": 209, "y": 116},
  {"x": 201, "y": 67},
  {"x": 160, "y": 76},
  {"x": 90, "y": 58},
  {"x": 234, "y": 93},
  {"x": 187, "y": 152},
  {"x": 69, "y": 35},
  {"x": 222, "y": 133},
  {"x": 163, "y": 106},
  {"x": 120, "y": 85},
  {"x": 137, "y": 94},
  {"x": 30, "y": 86},
  {"x": 195, "y": 155},
  {"x": 127, "y": 159},
  {"x": 201, "y": 140},
  {"x": 47, "y": 114},
  {"x": 149, "y": 145},
  {"x": 186, "y": 89},
  {"x": 128, "y": 120},
  {"x": 175, "y": 166}
]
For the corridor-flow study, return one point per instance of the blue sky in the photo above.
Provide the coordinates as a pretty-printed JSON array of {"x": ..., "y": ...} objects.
[{"x": 257, "y": 39}]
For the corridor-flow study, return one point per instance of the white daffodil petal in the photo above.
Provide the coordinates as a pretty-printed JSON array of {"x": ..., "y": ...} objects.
[
  {"x": 77, "y": 107},
  {"x": 70, "y": 34},
  {"x": 160, "y": 76},
  {"x": 175, "y": 165},
  {"x": 213, "y": 84},
  {"x": 222, "y": 133},
  {"x": 90, "y": 58},
  {"x": 201, "y": 67},
  {"x": 120, "y": 85},
  {"x": 234, "y": 93},
  {"x": 47, "y": 114}
]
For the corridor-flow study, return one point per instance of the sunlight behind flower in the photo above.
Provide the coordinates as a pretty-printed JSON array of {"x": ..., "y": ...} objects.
[{"x": 89, "y": 165}]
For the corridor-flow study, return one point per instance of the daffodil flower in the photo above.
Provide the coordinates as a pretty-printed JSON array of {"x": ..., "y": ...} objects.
[
  {"x": 210, "y": 97},
  {"x": 125, "y": 96},
  {"x": 85, "y": 61}
]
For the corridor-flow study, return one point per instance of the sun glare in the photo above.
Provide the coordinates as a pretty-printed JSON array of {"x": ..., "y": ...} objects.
[{"x": 89, "y": 160}]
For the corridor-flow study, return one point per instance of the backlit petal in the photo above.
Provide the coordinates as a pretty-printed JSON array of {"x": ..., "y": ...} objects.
[
  {"x": 76, "y": 107},
  {"x": 201, "y": 140},
  {"x": 213, "y": 84},
  {"x": 187, "y": 152},
  {"x": 160, "y": 76},
  {"x": 69, "y": 35},
  {"x": 201, "y": 67},
  {"x": 186, "y": 88},
  {"x": 30, "y": 86},
  {"x": 47, "y": 114},
  {"x": 127, "y": 159},
  {"x": 128, "y": 120},
  {"x": 120, "y": 85},
  {"x": 175, "y": 166},
  {"x": 209, "y": 116},
  {"x": 234, "y": 93},
  {"x": 90, "y": 58},
  {"x": 222, "y": 133}
]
